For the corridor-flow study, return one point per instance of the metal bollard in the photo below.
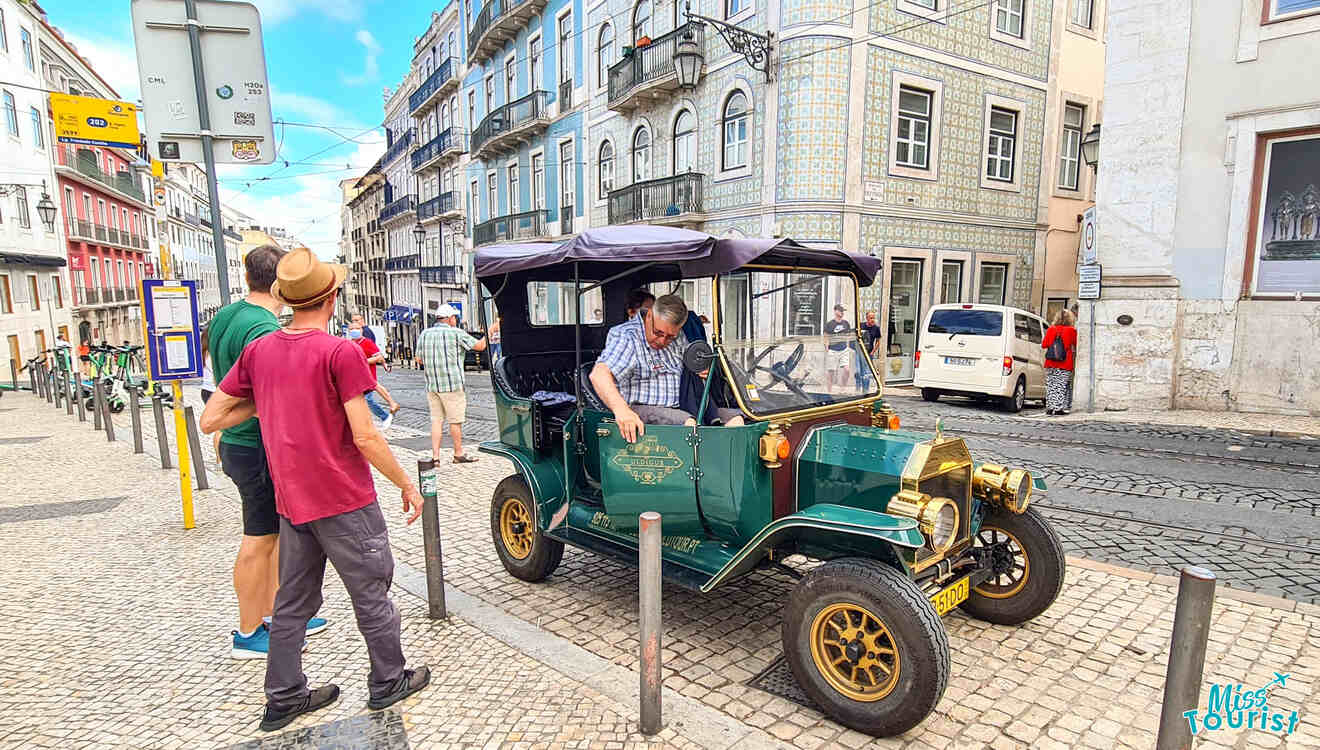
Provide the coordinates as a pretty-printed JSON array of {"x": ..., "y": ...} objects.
[
  {"x": 649, "y": 596},
  {"x": 162, "y": 439},
  {"x": 435, "y": 566},
  {"x": 32, "y": 380},
  {"x": 109, "y": 423},
  {"x": 78, "y": 399},
  {"x": 13, "y": 374},
  {"x": 98, "y": 399},
  {"x": 1182, "y": 681},
  {"x": 137, "y": 419},
  {"x": 68, "y": 393},
  {"x": 195, "y": 443},
  {"x": 43, "y": 374},
  {"x": 55, "y": 390}
]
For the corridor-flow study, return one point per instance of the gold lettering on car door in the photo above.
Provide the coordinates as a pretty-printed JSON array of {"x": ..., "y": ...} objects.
[{"x": 647, "y": 461}]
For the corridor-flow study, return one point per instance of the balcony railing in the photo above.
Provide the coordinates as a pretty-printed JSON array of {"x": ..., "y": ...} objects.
[
  {"x": 524, "y": 226},
  {"x": 666, "y": 197},
  {"x": 442, "y": 204},
  {"x": 497, "y": 21},
  {"x": 88, "y": 296},
  {"x": 651, "y": 66},
  {"x": 401, "y": 143},
  {"x": 397, "y": 208},
  {"x": 191, "y": 218},
  {"x": 84, "y": 162},
  {"x": 442, "y": 275},
  {"x": 509, "y": 119},
  {"x": 101, "y": 234},
  {"x": 440, "y": 79},
  {"x": 566, "y": 219},
  {"x": 450, "y": 142},
  {"x": 231, "y": 234},
  {"x": 402, "y": 262},
  {"x": 112, "y": 236}
]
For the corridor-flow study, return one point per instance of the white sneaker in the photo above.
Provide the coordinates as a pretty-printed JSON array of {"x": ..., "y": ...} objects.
[{"x": 389, "y": 420}]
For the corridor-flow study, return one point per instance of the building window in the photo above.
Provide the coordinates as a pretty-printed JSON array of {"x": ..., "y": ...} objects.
[
  {"x": 475, "y": 198},
  {"x": 641, "y": 155},
  {"x": 26, "y": 39},
  {"x": 685, "y": 142},
  {"x": 566, "y": 49},
  {"x": 735, "y": 7},
  {"x": 490, "y": 93},
  {"x": 4, "y": 33},
  {"x": 513, "y": 188},
  {"x": 641, "y": 20},
  {"x": 510, "y": 79},
  {"x": 604, "y": 54},
  {"x": 472, "y": 109},
  {"x": 734, "y": 131},
  {"x": 1082, "y": 10},
  {"x": 21, "y": 208},
  {"x": 6, "y": 296},
  {"x": 1070, "y": 147},
  {"x": 951, "y": 281},
  {"x": 1287, "y": 250},
  {"x": 491, "y": 194},
  {"x": 567, "y": 175},
  {"x": 993, "y": 285},
  {"x": 1009, "y": 16},
  {"x": 606, "y": 161},
  {"x": 11, "y": 114},
  {"x": 1277, "y": 10},
  {"x": 913, "y": 141},
  {"x": 538, "y": 181},
  {"x": 35, "y": 293},
  {"x": 37, "y": 136},
  {"x": 534, "y": 62},
  {"x": 999, "y": 148}
]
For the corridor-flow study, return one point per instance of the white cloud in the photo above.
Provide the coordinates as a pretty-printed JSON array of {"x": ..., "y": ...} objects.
[
  {"x": 370, "y": 67},
  {"x": 114, "y": 60}
]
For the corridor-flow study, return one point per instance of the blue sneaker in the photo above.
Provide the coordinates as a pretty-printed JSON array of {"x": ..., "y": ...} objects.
[
  {"x": 316, "y": 625},
  {"x": 254, "y": 646}
]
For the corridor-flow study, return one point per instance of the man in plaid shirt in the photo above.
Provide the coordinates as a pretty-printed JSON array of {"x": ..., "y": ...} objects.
[
  {"x": 637, "y": 375},
  {"x": 440, "y": 350}
]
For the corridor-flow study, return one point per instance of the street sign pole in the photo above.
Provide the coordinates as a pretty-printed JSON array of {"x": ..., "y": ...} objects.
[
  {"x": 204, "y": 114},
  {"x": 1090, "y": 365}
]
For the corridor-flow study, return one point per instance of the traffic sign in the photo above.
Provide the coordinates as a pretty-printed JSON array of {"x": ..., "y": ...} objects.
[
  {"x": 1088, "y": 236},
  {"x": 1088, "y": 290},
  {"x": 1089, "y": 273},
  {"x": 237, "y": 94},
  {"x": 91, "y": 121}
]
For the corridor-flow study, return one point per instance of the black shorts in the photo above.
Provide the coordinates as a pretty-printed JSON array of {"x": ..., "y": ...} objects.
[
  {"x": 206, "y": 396},
  {"x": 251, "y": 474}
]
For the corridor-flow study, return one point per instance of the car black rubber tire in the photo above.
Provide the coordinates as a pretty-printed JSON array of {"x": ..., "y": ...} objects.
[
  {"x": 919, "y": 635},
  {"x": 1014, "y": 403},
  {"x": 930, "y": 394},
  {"x": 545, "y": 552},
  {"x": 1045, "y": 565}
]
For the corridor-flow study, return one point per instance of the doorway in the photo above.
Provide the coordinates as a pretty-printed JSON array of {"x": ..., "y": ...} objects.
[
  {"x": 904, "y": 317},
  {"x": 15, "y": 354}
]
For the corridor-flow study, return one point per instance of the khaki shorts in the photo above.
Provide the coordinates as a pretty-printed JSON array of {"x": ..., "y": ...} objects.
[{"x": 450, "y": 406}]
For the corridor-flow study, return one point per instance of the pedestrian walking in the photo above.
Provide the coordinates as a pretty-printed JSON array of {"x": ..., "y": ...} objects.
[
  {"x": 440, "y": 351},
  {"x": 309, "y": 388},
  {"x": 493, "y": 335},
  {"x": 1060, "y": 344},
  {"x": 381, "y": 403},
  {"x": 243, "y": 459},
  {"x": 361, "y": 322}
]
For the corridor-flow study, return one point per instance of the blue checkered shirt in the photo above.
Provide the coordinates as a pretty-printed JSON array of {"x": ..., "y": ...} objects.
[
  {"x": 442, "y": 348},
  {"x": 644, "y": 375}
]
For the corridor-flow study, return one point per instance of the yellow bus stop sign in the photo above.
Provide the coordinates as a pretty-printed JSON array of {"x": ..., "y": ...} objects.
[{"x": 96, "y": 122}]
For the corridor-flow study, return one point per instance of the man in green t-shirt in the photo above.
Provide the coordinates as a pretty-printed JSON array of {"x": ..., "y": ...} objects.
[{"x": 256, "y": 571}]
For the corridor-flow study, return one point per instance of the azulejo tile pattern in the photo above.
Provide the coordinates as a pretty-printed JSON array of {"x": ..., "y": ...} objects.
[
  {"x": 813, "y": 119},
  {"x": 749, "y": 226},
  {"x": 794, "y": 12},
  {"x": 966, "y": 33},
  {"x": 962, "y": 128},
  {"x": 812, "y": 227}
]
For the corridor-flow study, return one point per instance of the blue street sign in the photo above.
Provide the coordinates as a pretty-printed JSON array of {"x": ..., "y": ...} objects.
[{"x": 173, "y": 337}]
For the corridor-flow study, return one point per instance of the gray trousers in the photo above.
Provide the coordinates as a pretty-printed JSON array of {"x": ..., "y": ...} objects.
[
  {"x": 674, "y": 415},
  {"x": 358, "y": 545}
]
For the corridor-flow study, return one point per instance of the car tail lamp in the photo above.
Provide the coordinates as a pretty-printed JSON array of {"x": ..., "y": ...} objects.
[
  {"x": 894, "y": 422},
  {"x": 1008, "y": 365},
  {"x": 916, "y": 359},
  {"x": 936, "y": 517},
  {"x": 774, "y": 448},
  {"x": 998, "y": 485}
]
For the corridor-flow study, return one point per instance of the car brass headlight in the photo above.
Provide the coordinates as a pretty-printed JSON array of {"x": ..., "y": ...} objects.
[
  {"x": 936, "y": 517},
  {"x": 1009, "y": 488}
]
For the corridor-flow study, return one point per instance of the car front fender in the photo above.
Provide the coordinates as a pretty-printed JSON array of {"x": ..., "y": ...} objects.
[
  {"x": 820, "y": 525},
  {"x": 544, "y": 478}
]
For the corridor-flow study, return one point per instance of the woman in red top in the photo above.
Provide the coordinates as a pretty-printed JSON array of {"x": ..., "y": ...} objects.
[{"x": 1059, "y": 372}]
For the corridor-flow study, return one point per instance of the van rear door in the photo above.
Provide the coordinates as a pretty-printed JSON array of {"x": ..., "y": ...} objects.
[{"x": 965, "y": 346}]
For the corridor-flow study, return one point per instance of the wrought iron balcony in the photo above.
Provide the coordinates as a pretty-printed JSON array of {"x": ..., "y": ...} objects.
[
  {"x": 667, "y": 200},
  {"x": 449, "y": 143},
  {"x": 397, "y": 208},
  {"x": 524, "y": 226},
  {"x": 442, "y": 275},
  {"x": 402, "y": 262},
  {"x": 440, "y": 82},
  {"x": 191, "y": 218},
  {"x": 443, "y": 206},
  {"x": 511, "y": 124},
  {"x": 231, "y": 234},
  {"x": 498, "y": 22},
  {"x": 649, "y": 71},
  {"x": 82, "y": 162},
  {"x": 402, "y": 143}
]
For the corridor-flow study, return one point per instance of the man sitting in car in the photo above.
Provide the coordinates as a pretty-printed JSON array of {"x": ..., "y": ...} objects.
[{"x": 638, "y": 373}]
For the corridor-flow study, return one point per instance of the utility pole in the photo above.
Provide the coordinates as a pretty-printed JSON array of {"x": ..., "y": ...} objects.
[{"x": 204, "y": 114}]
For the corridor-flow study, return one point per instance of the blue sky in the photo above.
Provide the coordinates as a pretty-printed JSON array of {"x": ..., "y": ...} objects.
[{"x": 328, "y": 62}]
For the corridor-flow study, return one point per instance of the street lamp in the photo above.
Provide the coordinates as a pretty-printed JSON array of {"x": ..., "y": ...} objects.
[
  {"x": 419, "y": 234},
  {"x": 1091, "y": 146},
  {"x": 46, "y": 210},
  {"x": 755, "y": 48},
  {"x": 688, "y": 61}
]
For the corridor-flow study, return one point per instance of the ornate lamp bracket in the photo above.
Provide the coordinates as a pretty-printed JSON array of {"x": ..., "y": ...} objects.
[{"x": 755, "y": 48}]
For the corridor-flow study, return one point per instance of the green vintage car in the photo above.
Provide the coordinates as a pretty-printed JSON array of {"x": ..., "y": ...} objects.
[{"x": 906, "y": 526}]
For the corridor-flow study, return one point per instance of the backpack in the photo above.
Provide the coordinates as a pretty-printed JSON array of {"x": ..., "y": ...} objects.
[{"x": 1058, "y": 352}]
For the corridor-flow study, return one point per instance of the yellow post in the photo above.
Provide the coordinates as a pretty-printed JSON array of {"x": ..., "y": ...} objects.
[{"x": 181, "y": 438}]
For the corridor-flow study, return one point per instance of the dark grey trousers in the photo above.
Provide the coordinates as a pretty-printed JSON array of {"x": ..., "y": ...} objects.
[{"x": 358, "y": 545}]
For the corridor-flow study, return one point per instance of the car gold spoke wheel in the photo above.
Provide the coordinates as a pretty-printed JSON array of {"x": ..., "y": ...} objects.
[
  {"x": 516, "y": 528},
  {"x": 855, "y": 652},
  {"x": 1010, "y": 565}
]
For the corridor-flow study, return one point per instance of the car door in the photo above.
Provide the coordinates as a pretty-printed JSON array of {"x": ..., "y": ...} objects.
[
  {"x": 1036, "y": 334},
  {"x": 654, "y": 473},
  {"x": 1020, "y": 348}
]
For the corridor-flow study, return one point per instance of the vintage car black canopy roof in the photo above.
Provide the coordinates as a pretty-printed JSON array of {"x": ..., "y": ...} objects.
[{"x": 694, "y": 253}]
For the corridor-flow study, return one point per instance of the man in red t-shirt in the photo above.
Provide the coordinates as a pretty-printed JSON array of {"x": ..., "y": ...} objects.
[
  {"x": 374, "y": 357},
  {"x": 321, "y": 444}
]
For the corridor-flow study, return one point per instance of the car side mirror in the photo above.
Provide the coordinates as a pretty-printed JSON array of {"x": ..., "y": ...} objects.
[{"x": 698, "y": 356}]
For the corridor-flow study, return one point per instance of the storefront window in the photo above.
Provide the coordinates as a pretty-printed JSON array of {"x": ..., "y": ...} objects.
[
  {"x": 951, "y": 281},
  {"x": 1288, "y": 250},
  {"x": 904, "y": 311},
  {"x": 994, "y": 284}
]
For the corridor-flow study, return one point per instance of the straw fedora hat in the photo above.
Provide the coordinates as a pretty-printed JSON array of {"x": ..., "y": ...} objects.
[{"x": 302, "y": 280}]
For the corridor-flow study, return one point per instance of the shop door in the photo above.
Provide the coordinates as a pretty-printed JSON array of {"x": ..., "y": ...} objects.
[{"x": 904, "y": 317}]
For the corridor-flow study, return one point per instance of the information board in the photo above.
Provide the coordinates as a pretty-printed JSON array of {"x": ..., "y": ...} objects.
[
  {"x": 1088, "y": 281},
  {"x": 91, "y": 121},
  {"x": 174, "y": 340}
]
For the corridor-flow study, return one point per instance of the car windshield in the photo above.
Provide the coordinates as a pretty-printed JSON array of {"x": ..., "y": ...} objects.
[
  {"x": 967, "y": 322},
  {"x": 791, "y": 339}
]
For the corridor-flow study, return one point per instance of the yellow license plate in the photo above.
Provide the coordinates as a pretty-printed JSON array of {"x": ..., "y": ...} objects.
[{"x": 952, "y": 596}]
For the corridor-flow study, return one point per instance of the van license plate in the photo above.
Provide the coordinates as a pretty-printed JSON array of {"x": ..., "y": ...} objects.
[
  {"x": 959, "y": 361},
  {"x": 952, "y": 596}
]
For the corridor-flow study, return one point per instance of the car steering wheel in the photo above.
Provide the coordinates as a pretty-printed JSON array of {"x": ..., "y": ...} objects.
[{"x": 781, "y": 371}]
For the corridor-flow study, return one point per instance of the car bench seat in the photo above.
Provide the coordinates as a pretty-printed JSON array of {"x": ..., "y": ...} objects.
[{"x": 521, "y": 375}]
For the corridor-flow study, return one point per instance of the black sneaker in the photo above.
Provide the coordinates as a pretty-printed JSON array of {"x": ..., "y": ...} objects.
[
  {"x": 411, "y": 681},
  {"x": 315, "y": 700}
]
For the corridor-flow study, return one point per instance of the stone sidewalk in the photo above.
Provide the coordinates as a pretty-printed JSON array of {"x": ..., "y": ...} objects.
[{"x": 1087, "y": 673}]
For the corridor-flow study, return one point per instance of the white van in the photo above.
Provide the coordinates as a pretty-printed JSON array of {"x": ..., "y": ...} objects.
[{"x": 981, "y": 351}]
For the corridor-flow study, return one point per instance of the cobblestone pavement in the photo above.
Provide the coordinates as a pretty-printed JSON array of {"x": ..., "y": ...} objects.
[{"x": 1087, "y": 673}]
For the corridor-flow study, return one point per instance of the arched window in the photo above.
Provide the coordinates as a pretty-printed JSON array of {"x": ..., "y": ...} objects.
[
  {"x": 735, "y": 131},
  {"x": 641, "y": 155},
  {"x": 604, "y": 53},
  {"x": 685, "y": 142},
  {"x": 606, "y": 163},
  {"x": 641, "y": 20}
]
